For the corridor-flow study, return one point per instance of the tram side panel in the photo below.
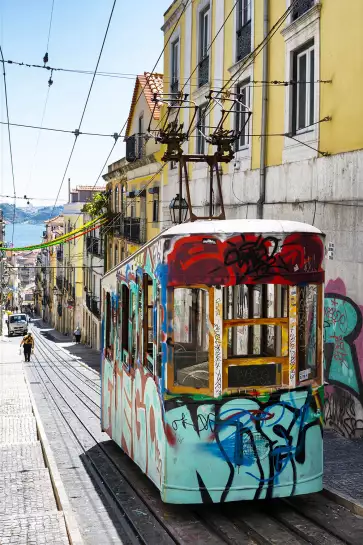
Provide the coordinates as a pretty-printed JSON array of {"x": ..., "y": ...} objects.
[{"x": 243, "y": 448}]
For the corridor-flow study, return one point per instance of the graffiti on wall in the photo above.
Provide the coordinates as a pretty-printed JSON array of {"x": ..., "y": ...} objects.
[{"x": 343, "y": 349}]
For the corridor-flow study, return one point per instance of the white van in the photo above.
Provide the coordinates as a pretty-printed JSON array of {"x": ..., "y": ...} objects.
[{"x": 17, "y": 324}]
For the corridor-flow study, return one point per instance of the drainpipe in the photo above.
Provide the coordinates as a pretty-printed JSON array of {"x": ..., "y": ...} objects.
[{"x": 262, "y": 196}]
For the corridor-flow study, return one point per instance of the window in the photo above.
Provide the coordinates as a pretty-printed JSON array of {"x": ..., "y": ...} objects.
[
  {"x": 133, "y": 209},
  {"x": 242, "y": 115},
  {"x": 204, "y": 47},
  {"x": 307, "y": 331},
  {"x": 191, "y": 337},
  {"x": 108, "y": 323},
  {"x": 148, "y": 325},
  {"x": 201, "y": 129},
  {"x": 140, "y": 138},
  {"x": 255, "y": 302},
  {"x": 174, "y": 87},
  {"x": 301, "y": 7},
  {"x": 125, "y": 311},
  {"x": 123, "y": 199},
  {"x": 243, "y": 46},
  {"x": 116, "y": 255},
  {"x": 303, "y": 90},
  {"x": 156, "y": 206}
]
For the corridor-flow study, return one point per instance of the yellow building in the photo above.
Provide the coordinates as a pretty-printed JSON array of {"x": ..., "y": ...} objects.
[
  {"x": 52, "y": 257},
  {"x": 297, "y": 66},
  {"x": 134, "y": 183}
]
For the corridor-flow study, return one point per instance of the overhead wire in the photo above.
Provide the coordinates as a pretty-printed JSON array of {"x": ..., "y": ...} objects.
[
  {"x": 46, "y": 57},
  {"x": 87, "y": 100},
  {"x": 10, "y": 145}
]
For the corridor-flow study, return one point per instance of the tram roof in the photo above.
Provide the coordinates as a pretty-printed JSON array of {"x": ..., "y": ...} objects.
[
  {"x": 231, "y": 226},
  {"x": 240, "y": 226}
]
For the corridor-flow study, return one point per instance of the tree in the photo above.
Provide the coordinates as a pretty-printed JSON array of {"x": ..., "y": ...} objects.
[{"x": 97, "y": 206}]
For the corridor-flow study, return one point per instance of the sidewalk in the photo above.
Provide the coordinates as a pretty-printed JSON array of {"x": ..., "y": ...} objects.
[
  {"x": 89, "y": 356},
  {"x": 28, "y": 508},
  {"x": 343, "y": 470}
]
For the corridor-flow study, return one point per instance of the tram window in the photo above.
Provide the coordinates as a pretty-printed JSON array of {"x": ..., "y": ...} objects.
[
  {"x": 191, "y": 337},
  {"x": 125, "y": 306},
  {"x": 252, "y": 302},
  {"x": 134, "y": 326},
  {"x": 148, "y": 321},
  {"x": 307, "y": 329},
  {"x": 108, "y": 322}
]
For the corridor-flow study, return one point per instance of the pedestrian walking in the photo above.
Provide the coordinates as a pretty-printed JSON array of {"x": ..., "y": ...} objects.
[
  {"x": 28, "y": 345},
  {"x": 77, "y": 334}
]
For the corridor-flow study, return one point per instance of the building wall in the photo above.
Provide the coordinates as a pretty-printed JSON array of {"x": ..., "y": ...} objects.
[{"x": 301, "y": 183}]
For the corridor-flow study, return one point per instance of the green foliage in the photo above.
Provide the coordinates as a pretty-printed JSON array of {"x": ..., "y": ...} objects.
[{"x": 97, "y": 206}]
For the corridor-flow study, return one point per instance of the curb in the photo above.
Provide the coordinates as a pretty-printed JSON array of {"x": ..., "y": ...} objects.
[
  {"x": 64, "y": 506},
  {"x": 342, "y": 499}
]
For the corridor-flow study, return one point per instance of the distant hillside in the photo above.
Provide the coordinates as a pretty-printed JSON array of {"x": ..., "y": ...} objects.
[{"x": 31, "y": 215}]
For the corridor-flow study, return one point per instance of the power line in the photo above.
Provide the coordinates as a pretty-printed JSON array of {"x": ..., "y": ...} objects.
[
  {"x": 76, "y": 132},
  {"x": 9, "y": 136},
  {"x": 45, "y": 59},
  {"x": 87, "y": 100}
]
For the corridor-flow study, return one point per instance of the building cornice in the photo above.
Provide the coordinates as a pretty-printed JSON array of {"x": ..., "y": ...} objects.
[
  {"x": 303, "y": 21},
  {"x": 174, "y": 16},
  {"x": 122, "y": 171}
]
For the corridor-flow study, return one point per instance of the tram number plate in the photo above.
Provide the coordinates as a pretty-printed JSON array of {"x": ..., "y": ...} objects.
[{"x": 252, "y": 375}]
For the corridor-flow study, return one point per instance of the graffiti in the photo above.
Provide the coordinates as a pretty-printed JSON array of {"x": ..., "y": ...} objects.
[
  {"x": 218, "y": 357},
  {"x": 246, "y": 258},
  {"x": 340, "y": 412},
  {"x": 342, "y": 327},
  {"x": 292, "y": 336},
  {"x": 266, "y": 445}
]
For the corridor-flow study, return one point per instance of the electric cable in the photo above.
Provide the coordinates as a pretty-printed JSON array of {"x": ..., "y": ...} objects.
[
  {"x": 10, "y": 145},
  {"x": 46, "y": 56},
  {"x": 87, "y": 100}
]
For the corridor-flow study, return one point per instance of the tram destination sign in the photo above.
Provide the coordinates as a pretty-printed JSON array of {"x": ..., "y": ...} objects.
[{"x": 253, "y": 375}]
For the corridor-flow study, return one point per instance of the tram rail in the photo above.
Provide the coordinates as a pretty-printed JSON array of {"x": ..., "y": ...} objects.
[{"x": 266, "y": 523}]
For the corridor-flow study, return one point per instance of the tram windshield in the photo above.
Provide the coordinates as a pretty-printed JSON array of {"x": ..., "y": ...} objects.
[{"x": 256, "y": 339}]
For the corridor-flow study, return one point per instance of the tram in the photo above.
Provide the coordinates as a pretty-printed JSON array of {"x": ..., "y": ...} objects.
[{"x": 212, "y": 360}]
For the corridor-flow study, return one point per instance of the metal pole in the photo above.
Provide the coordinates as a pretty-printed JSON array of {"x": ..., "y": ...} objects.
[{"x": 262, "y": 196}]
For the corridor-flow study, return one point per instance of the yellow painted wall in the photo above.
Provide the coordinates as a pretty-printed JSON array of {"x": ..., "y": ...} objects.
[{"x": 342, "y": 61}]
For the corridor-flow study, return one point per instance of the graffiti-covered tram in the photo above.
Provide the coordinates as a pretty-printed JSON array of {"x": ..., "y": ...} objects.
[{"x": 212, "y": 360}]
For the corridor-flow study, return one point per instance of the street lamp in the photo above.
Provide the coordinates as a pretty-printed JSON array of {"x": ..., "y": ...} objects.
[{"x": 178, "y": 209}]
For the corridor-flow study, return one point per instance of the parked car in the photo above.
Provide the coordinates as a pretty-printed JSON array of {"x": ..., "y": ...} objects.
[{"x": 17, "y": 324}]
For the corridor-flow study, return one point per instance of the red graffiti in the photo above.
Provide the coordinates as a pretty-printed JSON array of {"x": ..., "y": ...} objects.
[
  {"x": 247, "y": 259},
  {"x": 170, "y": 435}
]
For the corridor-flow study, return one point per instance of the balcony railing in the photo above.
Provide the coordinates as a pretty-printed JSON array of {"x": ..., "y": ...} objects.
[
  {"x": 174, "y": 87},
  {"x": 203, "y": 73},
  {"x": 134, "y": 230},
  {"x": 60, "y": 254},
  {"x": 93, "y": 245},
  {"x": 59, "y": 282},
  {"x": 135, "y": 147},
  {"x": 244, "y": 41},
  {"x": 92, "y": 305},
  {"x": 301, "y": 7}
]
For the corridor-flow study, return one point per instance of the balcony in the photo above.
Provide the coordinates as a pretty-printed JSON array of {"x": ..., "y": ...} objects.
[
  {"x": 60, "y": 254},
  {"x": 59, "y": 282},
  {"x": 93, "y": 246},
  {"x": 92, "y": 305},
  {"x": 134, "y": 230},
  {"x": 243, "y": 41},
  {"x": 174, "y": 87},
  {"x": 203, "y": 72},
  {"x": 301, "y": 7},
  {"x": 135, "y": 147}
]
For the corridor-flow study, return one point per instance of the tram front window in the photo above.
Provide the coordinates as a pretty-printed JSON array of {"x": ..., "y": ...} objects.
[{"x": 191, "y": 337}]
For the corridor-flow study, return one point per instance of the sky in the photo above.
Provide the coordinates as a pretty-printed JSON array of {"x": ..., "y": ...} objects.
[{"x": 133, "y": 44}]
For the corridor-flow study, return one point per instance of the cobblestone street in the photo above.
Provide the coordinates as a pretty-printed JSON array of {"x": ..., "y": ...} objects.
[{"x": 28, "y": 509}]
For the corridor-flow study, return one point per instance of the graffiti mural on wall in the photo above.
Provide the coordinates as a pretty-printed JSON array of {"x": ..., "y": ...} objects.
[{"x": 343, "y": 349}]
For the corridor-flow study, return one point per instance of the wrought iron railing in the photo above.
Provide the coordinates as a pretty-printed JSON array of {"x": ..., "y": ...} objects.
[
  {"x": 244, "y": 41},
  {"x": 203, "y": 72},
  {"x": 134, "y": 230},
  {"x": 301, "y": 7},
  {"x": 92, "y": 305},
  {"x": 93, "y": 246},
  {"x": 60, "y": 254},
  {"x": 135, "y": 147},
  {"x": 174, "y": 87}
]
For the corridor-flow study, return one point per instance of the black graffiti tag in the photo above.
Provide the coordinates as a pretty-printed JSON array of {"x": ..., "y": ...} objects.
[
  {"x": 204, "y": 422},
  {"x": 259, "y": 257}
]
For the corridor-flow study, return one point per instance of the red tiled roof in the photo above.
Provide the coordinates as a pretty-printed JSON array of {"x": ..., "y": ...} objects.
[{"x": 150, "y": 84}]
